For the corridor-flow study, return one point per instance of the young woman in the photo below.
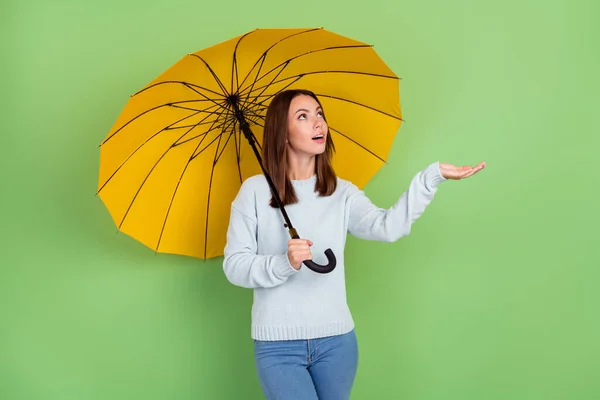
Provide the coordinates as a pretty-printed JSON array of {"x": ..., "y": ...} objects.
[{"x": 304, "y": 341}]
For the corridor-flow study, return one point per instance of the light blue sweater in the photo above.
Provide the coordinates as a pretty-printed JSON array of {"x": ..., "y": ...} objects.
[{"x": 301, "y": 304}]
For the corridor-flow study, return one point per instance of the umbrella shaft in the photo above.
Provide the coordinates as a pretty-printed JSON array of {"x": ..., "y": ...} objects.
[{"x": 245, "y": 127}]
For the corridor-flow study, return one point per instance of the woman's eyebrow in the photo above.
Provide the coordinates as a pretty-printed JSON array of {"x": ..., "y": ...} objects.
[{"x": 305, "y": 110}]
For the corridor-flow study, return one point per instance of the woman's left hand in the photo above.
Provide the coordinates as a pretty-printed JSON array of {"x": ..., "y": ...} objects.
[{"x": 450, "y": 171}]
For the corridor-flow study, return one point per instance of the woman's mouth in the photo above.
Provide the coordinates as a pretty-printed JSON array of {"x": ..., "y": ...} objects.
[{"x": 319, "y": 138}]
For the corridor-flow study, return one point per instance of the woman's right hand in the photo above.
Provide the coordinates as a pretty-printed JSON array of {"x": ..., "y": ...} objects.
[{"x": 298, "y": 251}]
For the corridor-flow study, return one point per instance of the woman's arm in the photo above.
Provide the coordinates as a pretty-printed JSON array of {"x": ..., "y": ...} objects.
[
  {"x": 367, "y": 221},
  {"x": 242, "y": 265}
]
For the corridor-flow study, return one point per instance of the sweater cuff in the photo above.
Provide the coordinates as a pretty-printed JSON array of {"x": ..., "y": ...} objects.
[
  {"x": 433, "y": 175},
  {"x": 283, "y": 268}
]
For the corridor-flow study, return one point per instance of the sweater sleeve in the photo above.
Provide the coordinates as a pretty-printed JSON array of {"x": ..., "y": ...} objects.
[
  {"x": 367, "y": 221},
  {"x": 242, "y": 265}
]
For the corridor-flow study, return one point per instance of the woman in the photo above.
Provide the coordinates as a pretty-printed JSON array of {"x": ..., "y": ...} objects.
[{"x": 304, "y": 341}]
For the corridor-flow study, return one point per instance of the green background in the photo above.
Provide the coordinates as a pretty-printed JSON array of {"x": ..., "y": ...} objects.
[{"x": 492, "y": 296}]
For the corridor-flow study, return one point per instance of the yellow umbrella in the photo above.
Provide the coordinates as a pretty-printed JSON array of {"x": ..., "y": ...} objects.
[{"x": 176, "y": 156}]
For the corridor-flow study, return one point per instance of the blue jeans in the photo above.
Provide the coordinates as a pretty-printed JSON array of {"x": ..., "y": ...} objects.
[{"x": 322, "y": 368}]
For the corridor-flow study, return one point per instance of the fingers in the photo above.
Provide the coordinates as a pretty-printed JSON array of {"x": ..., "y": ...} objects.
[
  {"x": 473, "y": 170},
  {"x": 298, "y": 251},
  {"x": 300, "y": 242},
  {"x": 467, "y": 170}
]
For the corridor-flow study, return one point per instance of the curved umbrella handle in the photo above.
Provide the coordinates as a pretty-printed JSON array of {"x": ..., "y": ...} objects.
[{"x": 323, "y": 269}]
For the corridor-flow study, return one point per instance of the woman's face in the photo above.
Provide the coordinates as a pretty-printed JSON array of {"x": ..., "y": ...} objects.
[{"x": 307, "y": 129}]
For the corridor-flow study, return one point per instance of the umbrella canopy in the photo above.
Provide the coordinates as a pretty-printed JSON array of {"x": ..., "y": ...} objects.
[{"x": 177, "y": 154}]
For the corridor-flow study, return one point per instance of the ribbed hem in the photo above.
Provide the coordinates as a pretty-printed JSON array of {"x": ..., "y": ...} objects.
[{"x": 270, "y": 332}]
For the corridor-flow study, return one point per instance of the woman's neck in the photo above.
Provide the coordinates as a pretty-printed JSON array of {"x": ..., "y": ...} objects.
[{"x": 300, "y": 168}]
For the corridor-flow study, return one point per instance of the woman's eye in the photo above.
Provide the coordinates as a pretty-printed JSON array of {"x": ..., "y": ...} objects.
[
  {"x": 320, "y": 113},
  {"x": 302, "y": 116}
]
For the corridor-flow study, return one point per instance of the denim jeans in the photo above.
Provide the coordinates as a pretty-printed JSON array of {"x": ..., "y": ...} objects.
[{"x": 322, "y": 368}]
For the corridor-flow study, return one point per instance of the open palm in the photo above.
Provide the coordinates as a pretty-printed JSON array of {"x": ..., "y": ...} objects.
[{"x": 450, "y": 171}]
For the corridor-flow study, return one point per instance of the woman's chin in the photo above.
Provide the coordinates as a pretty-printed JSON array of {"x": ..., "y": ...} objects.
[
  {"x": 320, "y": 148},
  {"x": 313, "y": 150}
]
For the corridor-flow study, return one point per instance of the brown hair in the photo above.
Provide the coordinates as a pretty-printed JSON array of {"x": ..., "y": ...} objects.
[{"x": 274, "y": 150}]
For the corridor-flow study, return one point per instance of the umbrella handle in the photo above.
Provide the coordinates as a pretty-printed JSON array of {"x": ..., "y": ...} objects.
[{"x": 321, "y": 269}]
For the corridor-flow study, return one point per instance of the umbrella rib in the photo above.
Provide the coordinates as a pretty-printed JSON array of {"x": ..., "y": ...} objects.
[
  {"x": 211, "y": 142},
  {"x": 207, "y": 98},
  {"x": 146, "y": 179},
  {"x": 202, "y": 134},
  {"x": 190, "y": 109},
  {"x": 234, "y": 71},
  {"x": 226, "y": 142},
  {"x": 212, "y": 173},
  {"x": 277, "y": 92},
  {"x": 213, "y": 74},
  {"x": 251, "y": 111},
  {"x": 174, "y": 194},
  {"x": 296, "y": 77},
  {"x": 189, "y": 126},
  {"x": 255, "y": 123},
  {"x": 234, "y": 63},
  {"x": 251, "y": 108},
  {"x": 188, "y": 84},
  {"x": 150, "y": 110},
  {"x": 312, "y": 52},
  {"x": 264, "y": 55},
  {"x": 267, "y": 85},
  {"x": 140, "y": 146},
  {"x": 146, "y": 142},
  {"x": 254, "y": 106},
  {"x": 238, "y": 148},
  {"x": 358, "y": 144},
  {"x": 359, "y": 104},
  {"x": 263, "y": 58}
]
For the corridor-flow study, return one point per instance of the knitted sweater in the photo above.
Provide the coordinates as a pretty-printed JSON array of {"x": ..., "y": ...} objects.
[{"x": 302, "y": 304}]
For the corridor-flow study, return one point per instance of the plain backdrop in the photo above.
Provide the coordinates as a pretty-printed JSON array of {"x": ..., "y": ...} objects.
[{"x": 492, "y": 296}]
